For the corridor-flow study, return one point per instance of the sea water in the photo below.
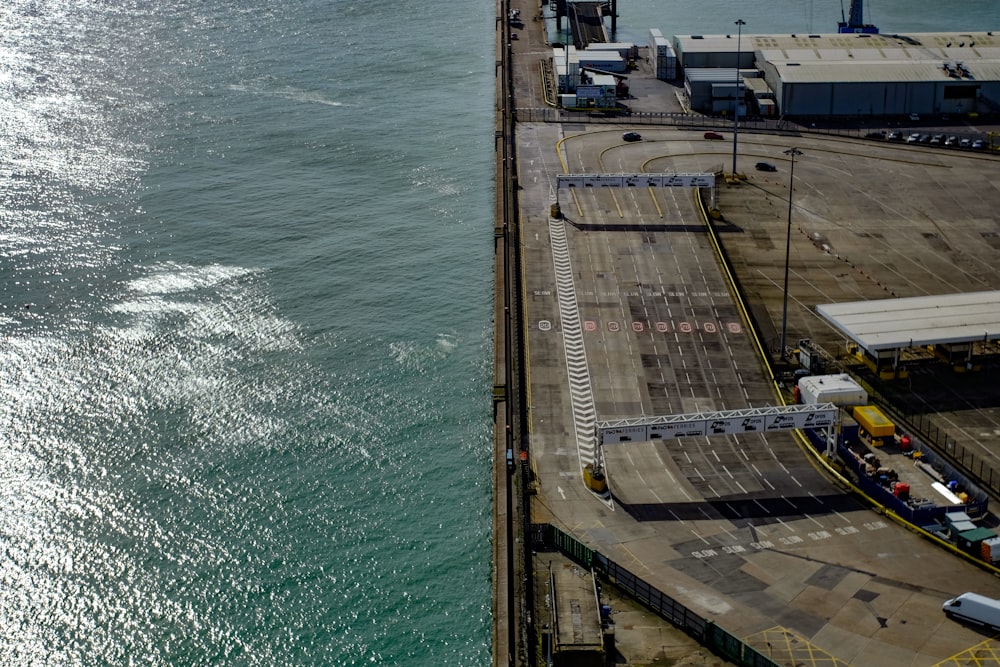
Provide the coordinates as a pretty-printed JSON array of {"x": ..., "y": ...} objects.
[{"x": 245, "y": 305}]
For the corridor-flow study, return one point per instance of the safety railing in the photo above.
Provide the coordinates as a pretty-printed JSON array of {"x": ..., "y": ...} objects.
[{"x": 706, "y": 632}]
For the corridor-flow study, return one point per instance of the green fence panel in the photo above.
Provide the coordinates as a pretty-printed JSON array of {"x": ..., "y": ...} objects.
[
  {"x": 706, "y": 632},
  {"x": 572, "y": 548},
  {"x": 732, "y": 648}
]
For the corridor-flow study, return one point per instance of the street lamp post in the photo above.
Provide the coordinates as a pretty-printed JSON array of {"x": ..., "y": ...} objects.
[
  {"x": 736, "y": 95},
  {"x": 788, "y": 246}
]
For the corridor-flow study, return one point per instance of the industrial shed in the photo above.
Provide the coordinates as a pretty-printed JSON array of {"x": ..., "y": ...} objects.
[
  {"x": 861, "y": 74},
  {"x": 867, "y": 88},
  {"x": 713, "y": 50},
  {"x": 843, "y": 83}
]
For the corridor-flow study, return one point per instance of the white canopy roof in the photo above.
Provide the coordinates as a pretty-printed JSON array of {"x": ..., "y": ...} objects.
[{"x": 887, "y": 324}]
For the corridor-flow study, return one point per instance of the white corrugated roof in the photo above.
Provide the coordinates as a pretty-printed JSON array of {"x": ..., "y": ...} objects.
[
  {"x": 874, "y": 72},
  {"x": 886, "y": 324},
  {"x": 715, "y": 74},
  {"x": 868, "y": 58},
  {"x": 960, "y": 45},
  {"x": 756, "y": 86}
]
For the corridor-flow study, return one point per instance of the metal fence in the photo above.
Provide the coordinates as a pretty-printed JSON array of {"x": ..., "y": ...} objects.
[
  {"x": 943, "y": 442},
  {"x": 947, "y": 446},
  {"x": 851, "y": 129},
  {"x": 707, "y": 633},
  {"x": 662, "y": 604}
]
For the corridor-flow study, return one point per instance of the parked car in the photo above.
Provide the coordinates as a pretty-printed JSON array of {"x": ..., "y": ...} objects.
[
  {"x": 924, "y": 139},
  {"x": 914, "y": 116},
  {"x": 937, "y": 139},
  {"x": 913, "y": 138},
  {"x": 979, "y": 144},
  {"x": 965, "y": 142},
  {"x": 951, "y": 141},
  {"x": 632, "y": 136},
  {"x": 895, "y": 135},
  {"x": 765, "y": 166},
  {"x": 713, "y": 135}
]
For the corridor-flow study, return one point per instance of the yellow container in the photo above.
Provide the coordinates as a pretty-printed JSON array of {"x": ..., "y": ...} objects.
[
  {"x": 594, "y": 478},
  {"x": 873, "y": 421}
]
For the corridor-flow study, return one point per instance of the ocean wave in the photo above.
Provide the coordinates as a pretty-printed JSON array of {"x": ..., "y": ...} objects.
[
  {"x": 174, "y": 278},
  {"x": 294, "y": 94}
]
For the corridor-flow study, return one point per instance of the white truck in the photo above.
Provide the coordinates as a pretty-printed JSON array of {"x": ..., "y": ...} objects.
[{"x": 974, "y": 608}]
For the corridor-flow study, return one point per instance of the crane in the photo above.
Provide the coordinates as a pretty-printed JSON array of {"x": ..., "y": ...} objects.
[{"x": 857, "y": 22}]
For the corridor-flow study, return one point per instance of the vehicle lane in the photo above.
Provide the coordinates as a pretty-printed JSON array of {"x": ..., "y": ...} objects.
[{"x": 662, "y": 333}]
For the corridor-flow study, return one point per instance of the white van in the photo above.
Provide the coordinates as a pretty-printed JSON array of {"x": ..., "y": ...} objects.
[{"x": 974, "y": 608}]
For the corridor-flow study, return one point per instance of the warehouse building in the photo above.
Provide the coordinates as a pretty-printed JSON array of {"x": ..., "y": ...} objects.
[{"x": 849, "y": 74}]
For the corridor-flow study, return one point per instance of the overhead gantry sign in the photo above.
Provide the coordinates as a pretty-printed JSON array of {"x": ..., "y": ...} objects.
[
  {"x": 704, "y": 180},
  {"x": 725, "y": 422}
]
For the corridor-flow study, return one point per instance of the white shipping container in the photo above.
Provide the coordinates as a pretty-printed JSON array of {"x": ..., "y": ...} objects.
[
  {"x": 658, "y": 45},
  {"x": 838, "y": 389},
  {"x": 666, "y": 68},
  {"x": 606, "y": 61},
  {"x": 624, "y": 49}
]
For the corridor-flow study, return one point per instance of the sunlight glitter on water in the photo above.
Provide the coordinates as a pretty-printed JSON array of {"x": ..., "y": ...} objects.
[
  {"x": 217, "y": 446},
  {"x": 84, "y": 521}
]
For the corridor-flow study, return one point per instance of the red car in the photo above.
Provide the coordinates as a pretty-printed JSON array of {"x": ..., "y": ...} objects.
[{"x": 713, "y": 135}]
